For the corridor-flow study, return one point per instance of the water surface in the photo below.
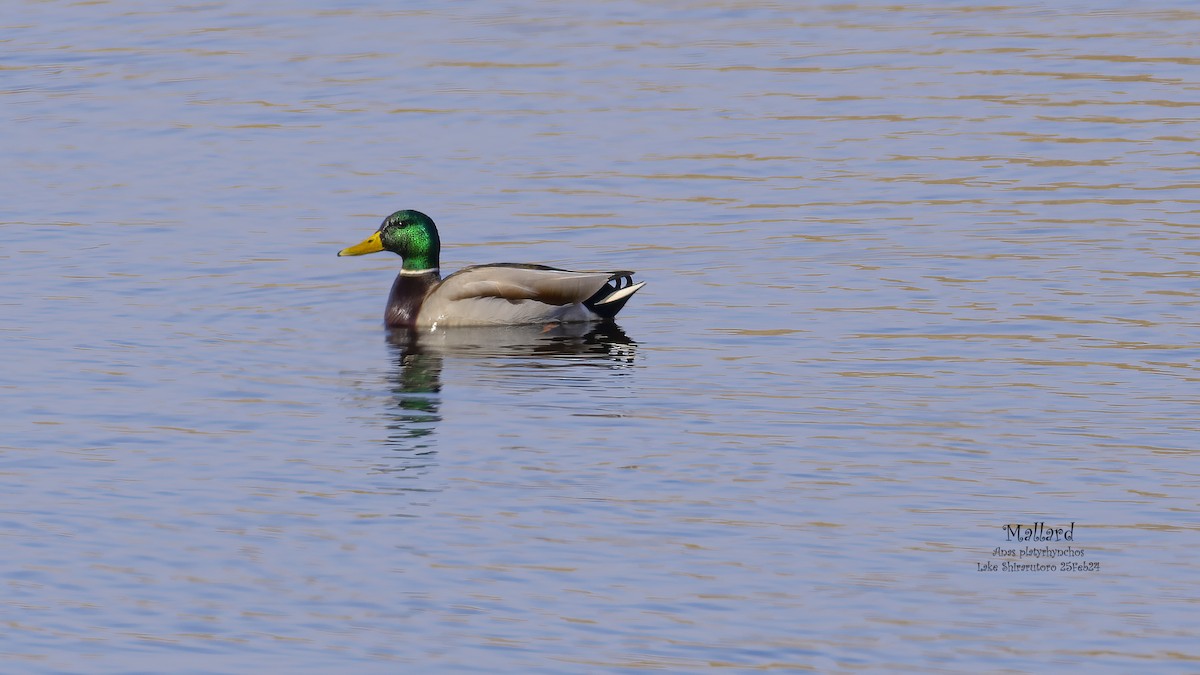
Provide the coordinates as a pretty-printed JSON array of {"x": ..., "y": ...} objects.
[{"x": 915, "y": 272}]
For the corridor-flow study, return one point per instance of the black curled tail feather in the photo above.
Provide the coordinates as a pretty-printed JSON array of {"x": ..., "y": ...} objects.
[{"x": 611, "y": 297}]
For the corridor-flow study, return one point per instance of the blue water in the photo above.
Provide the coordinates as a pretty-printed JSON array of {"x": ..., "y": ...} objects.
[{"x": 915, "y": 272}]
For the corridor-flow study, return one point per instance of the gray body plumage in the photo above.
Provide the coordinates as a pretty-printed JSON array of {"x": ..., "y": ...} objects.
[{"x": 508, "y": 294}]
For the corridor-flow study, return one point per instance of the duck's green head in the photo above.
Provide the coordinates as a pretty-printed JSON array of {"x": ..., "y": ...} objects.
[{"x": 411, "y": 234}]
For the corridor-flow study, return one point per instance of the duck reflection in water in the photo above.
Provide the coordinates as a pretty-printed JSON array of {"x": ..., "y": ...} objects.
[
  {"x": 418, "y": 356},
  {"x": 415, "y": 376},
  {"x": 415, "y": 381},
  {"x": 598, "y": 344}
]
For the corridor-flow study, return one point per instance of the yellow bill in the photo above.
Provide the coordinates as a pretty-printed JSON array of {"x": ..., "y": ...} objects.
[{"x": 372, "y": 244}]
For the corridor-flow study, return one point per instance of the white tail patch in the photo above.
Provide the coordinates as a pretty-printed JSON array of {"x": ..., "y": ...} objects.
[{"x": 621, "y": 294}]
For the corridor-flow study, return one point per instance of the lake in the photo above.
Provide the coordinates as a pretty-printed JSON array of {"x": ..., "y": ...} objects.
[{"x": 912, "y": 385}]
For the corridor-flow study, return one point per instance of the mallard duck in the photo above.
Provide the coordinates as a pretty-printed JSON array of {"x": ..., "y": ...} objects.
[{"x": 499, "y": 294}]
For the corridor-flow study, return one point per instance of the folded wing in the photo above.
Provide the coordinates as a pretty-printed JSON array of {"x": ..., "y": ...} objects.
[{"x": 525, "y": 283}]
